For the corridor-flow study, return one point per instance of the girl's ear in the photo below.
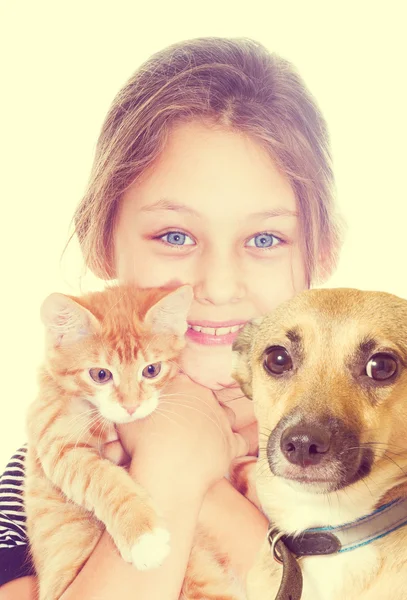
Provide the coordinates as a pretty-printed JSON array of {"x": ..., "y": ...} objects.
[
  {"x": 66, "y": 321},
  {"x": 169, "y": 315},
  {"x": 242, "y": 346}
]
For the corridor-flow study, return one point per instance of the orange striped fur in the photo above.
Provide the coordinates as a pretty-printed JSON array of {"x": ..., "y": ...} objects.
[{"x": 72, "y": 494}]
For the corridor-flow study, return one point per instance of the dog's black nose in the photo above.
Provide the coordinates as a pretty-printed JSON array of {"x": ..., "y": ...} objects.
[{"x": 305, "y": 445}]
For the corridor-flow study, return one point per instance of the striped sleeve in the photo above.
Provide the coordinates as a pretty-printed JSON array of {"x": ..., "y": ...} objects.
[
  {"x": 12, "y": 515},
  {"x": 15, "y": 559}
]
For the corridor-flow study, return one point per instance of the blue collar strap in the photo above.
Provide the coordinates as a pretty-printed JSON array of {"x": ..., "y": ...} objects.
[{"x": 349, "y": 536}]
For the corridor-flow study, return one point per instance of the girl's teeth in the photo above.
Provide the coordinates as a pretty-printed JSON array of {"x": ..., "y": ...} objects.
[
  {"x": 223, "y": 330},
  {"x": 208, "y": 330},
  {"x": 218, "y": 331}
]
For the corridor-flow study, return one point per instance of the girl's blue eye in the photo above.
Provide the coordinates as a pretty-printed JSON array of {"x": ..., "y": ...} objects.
[
  {"x": 177, "y": 238},
  {"x": 263, "y": 240}
]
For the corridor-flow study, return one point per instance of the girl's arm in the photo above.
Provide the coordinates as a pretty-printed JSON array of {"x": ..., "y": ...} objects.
[
  {"x": 239, "y": 529},
  {"x": 23, "y": 588},
  {"x": 107, "y": 576},
  {"x": 179, "y": 454},
  {"x": 237, "y": 525}
]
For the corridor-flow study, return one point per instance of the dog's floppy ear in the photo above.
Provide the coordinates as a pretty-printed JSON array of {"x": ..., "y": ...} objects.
[{"x": 241, "y": 369}]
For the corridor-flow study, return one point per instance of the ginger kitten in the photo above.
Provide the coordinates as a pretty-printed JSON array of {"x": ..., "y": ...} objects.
[{"x": 108, "y": 355}]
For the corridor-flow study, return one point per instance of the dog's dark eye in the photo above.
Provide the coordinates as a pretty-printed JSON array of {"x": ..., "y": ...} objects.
[
  {"x": 277, "y": 360},
  {"x": 381, "y": 367},
  {"x": 100, "y": 375},
  {"x": 151, "y": 371}
]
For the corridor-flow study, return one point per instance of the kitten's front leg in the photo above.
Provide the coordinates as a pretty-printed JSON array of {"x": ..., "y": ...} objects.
[{"x": 111, "y": 494}]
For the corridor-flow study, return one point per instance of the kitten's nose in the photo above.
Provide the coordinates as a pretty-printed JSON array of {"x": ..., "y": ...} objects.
[{"x": 131, "y": 409}]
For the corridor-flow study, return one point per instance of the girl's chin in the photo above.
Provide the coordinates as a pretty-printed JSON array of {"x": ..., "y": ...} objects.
[{"x": 210, "y": 367}]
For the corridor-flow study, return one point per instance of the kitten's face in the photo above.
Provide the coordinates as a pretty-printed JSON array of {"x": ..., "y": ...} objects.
[
  {"x": 125, "y": 390},
  {"x": 115, "y": 350}
]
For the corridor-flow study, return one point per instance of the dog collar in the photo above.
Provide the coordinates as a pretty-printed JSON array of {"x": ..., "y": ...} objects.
[{"x": 349, "y": 536}]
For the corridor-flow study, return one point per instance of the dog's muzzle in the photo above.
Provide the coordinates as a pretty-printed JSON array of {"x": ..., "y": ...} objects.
[{"x": 321, "y": 452}]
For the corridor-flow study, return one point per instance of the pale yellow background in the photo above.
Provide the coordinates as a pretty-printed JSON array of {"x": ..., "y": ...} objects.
[{"x": 61, "y": 65}]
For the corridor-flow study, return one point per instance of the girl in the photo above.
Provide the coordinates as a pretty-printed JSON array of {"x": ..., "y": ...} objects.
[{"x": 212, "y": 169}]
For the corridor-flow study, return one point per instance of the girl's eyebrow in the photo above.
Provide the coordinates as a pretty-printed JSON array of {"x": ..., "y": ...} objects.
[
  {"x": 167, "y": 204},
  {"x": 280, "y": 211},
  {"x": 171, "y": 205}
]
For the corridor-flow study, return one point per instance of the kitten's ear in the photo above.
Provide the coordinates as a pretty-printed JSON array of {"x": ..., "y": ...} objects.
[
  {"x": 242, "y": 346},
  {"x": 169, "y": 315},
  {"x": 66, "y": 321}
]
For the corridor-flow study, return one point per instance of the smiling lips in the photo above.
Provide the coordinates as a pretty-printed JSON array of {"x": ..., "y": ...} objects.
[{"x": 214, "y": 334}]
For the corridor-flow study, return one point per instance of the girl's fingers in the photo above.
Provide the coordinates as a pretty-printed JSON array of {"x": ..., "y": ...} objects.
[
  {"x": 243, "y": 410},
  {"x": 230, "y": 415},
  {"x": 247, "y": 436},
  {"x": 241, "y": 446},
  {"x": 250, "y": 433},
  {"x": 114, "y": 452}
]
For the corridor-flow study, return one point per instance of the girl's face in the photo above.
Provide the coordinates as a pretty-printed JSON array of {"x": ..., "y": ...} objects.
[{"x": 214, "y": 212}]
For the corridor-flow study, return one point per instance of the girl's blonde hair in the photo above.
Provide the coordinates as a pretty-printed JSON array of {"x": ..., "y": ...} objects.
[{"x": 238, "y": 84}]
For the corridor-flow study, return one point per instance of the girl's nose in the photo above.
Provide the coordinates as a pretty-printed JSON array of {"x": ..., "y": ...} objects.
[{"x": 219, "y": 282}]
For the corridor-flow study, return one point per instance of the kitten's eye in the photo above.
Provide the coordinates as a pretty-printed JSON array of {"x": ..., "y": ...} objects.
[
  {"x": 151, "y": 371},
  {"x": 100, "y": 375},
  {"x": 381, "y": 366}
]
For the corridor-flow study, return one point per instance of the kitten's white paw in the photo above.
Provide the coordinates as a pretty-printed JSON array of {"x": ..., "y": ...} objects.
[{"x": 151, "y": 549}]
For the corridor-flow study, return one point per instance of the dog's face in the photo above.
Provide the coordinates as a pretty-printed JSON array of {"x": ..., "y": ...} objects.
[{"x": 327, "y": 372}]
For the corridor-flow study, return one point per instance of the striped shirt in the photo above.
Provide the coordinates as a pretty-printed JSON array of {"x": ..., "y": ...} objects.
[{"x": 14, "y": 549}]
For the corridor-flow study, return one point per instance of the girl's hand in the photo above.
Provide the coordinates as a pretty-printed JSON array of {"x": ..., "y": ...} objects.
[
  {"x": 241, "y": 415},
  {"x": 115, "y": 452},
  {"x": 187, "y": 442},
  {"x": 239, "y": 411}
]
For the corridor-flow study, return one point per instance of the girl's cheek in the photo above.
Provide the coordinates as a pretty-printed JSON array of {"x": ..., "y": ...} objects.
[
  {"x": 146, "y": 270},
  {"x": 283, "y": 280}
]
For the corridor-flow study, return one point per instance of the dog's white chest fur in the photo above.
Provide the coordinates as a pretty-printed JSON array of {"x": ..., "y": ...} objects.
[
  {"x": 351, "y": 575},
  {"x": 339, "y": 576},
  {"x": 347, "y": 575}
]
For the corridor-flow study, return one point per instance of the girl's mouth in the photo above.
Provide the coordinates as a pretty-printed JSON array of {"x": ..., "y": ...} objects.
[{"x": 214, "y": 334}]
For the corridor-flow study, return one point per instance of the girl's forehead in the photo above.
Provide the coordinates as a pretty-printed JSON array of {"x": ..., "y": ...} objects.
[{"x": 206, "y": 170}]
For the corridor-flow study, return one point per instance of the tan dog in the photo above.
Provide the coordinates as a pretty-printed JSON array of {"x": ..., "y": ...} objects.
[{"x": 328, "y": 375}]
